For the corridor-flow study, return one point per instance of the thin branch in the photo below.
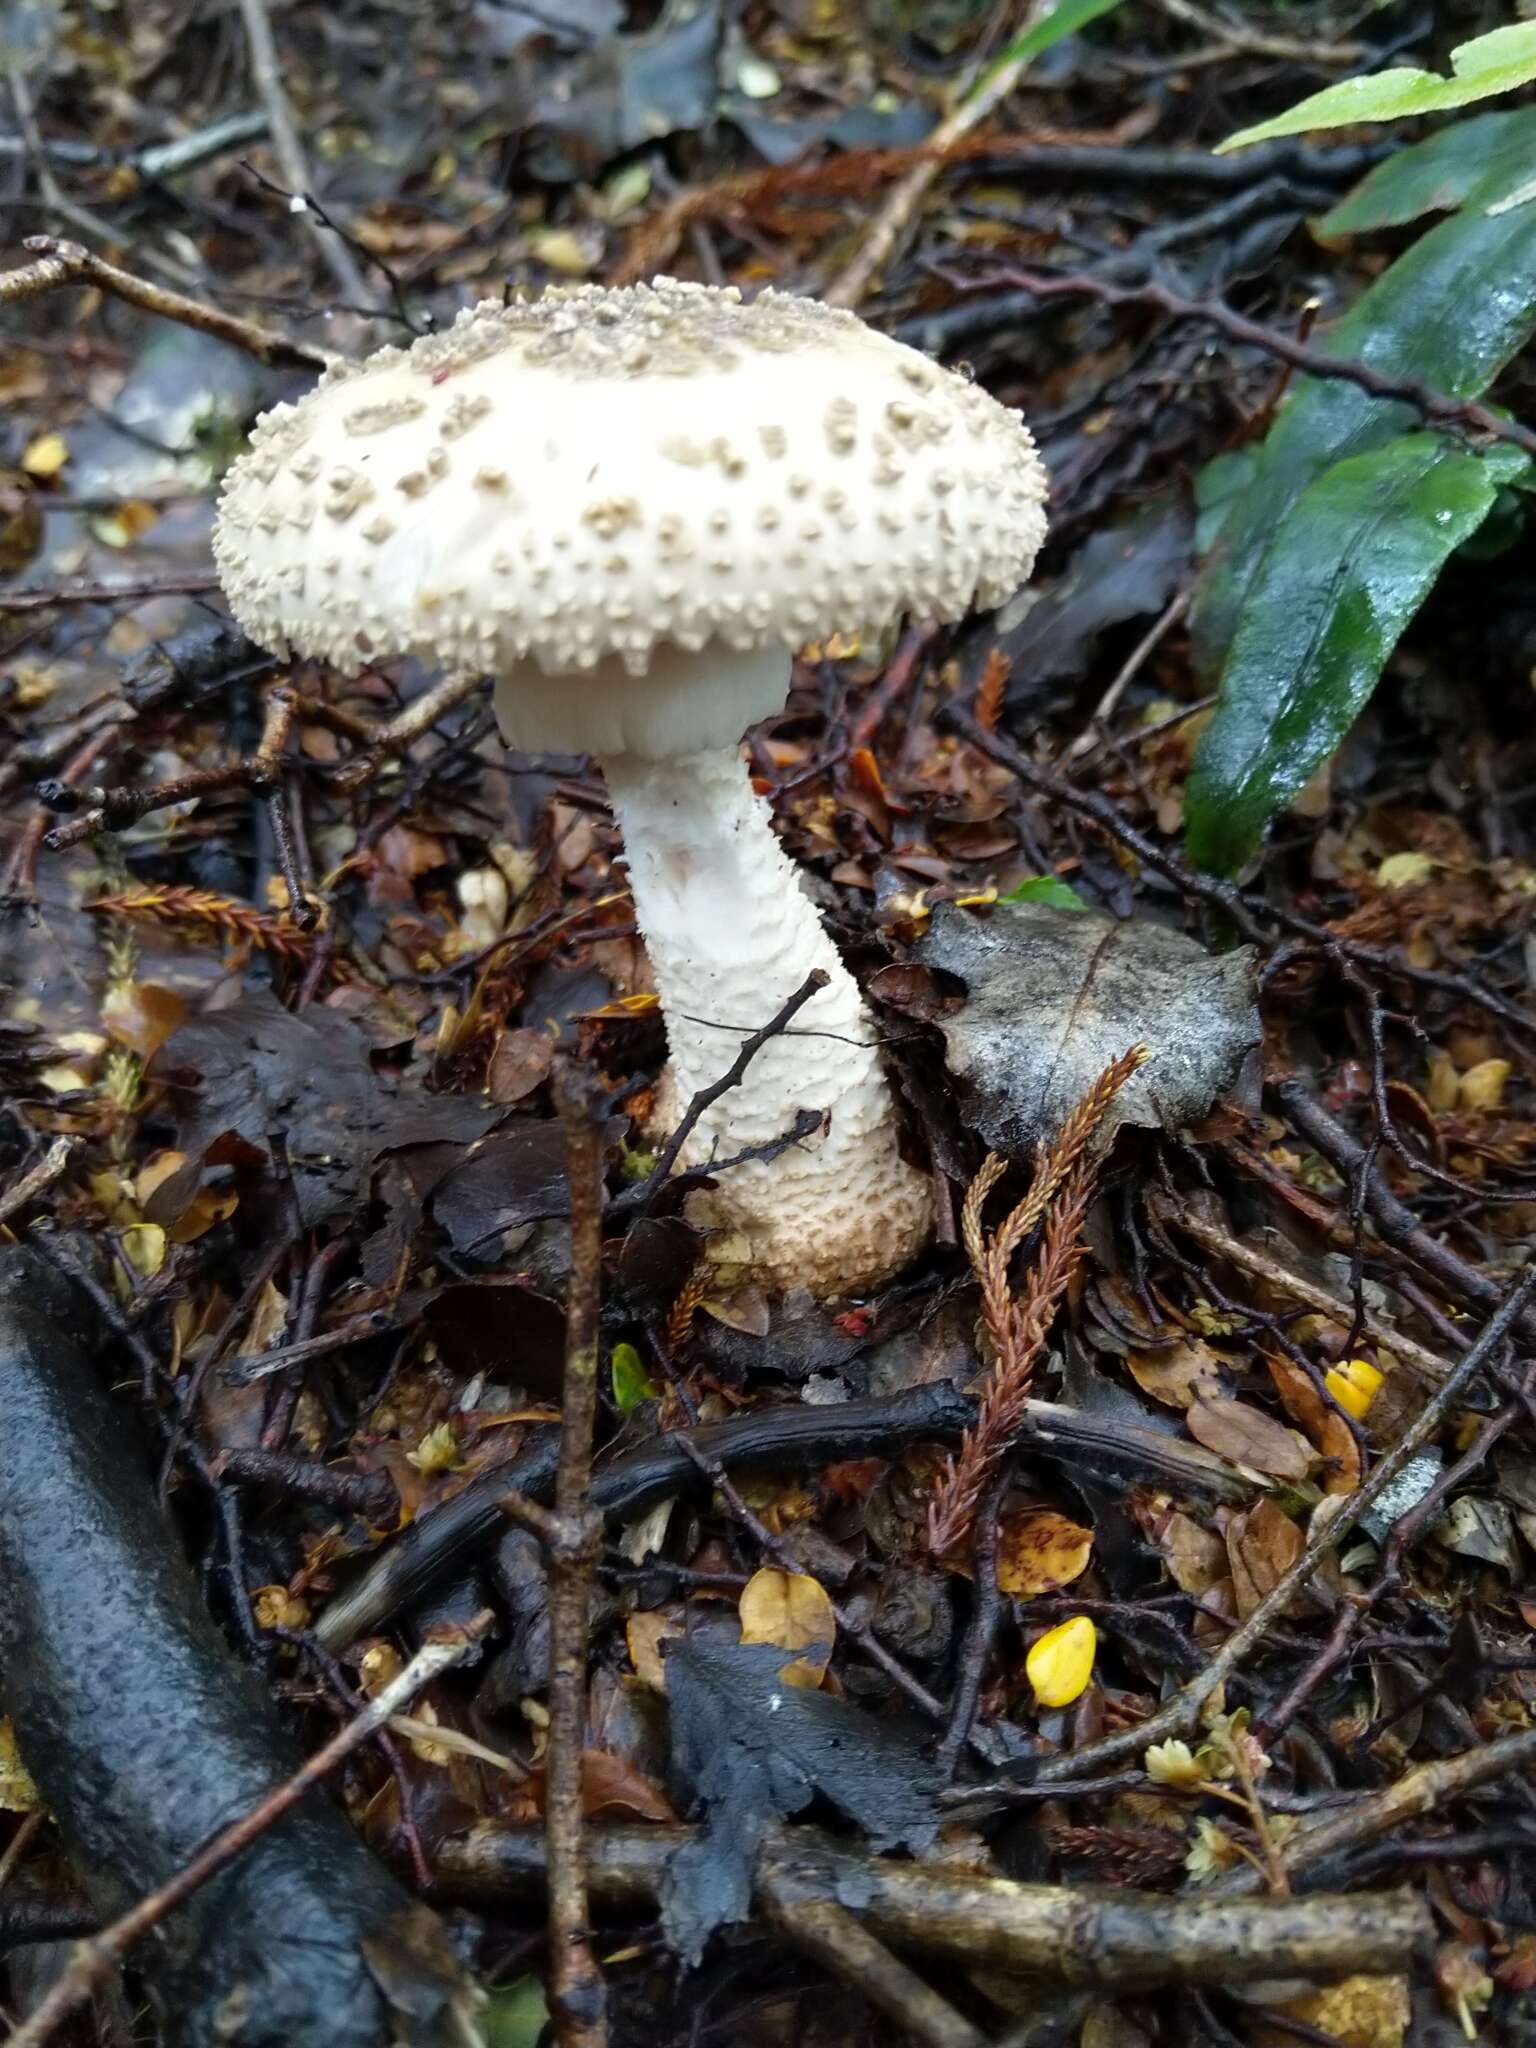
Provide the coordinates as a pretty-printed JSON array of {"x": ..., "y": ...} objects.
[
  {"x": 65, "y": 263},
  {"x": 1395, "y": 1223},
  {"x": 638, "y": 1196},
  {"x": 408, "y": 726},
  {"x": 53, "y": 1165},
  {"x": 830, "y": 1933},
  {"x": 267, "y": 76},
  {"x": 1237, "y": 36},
  {"x": 1301, "y": 1287},
  {"x": 981, "y": 96},
  {"x": 577, "y": 1996},
  {"x": 1179, "y": 1715},
  {"x": 1107, "y": 1939},
  {"x": 1256, "y": 920},
  {"x": 98, "y": 1955},
  {"x": 1438, "y": 407}
]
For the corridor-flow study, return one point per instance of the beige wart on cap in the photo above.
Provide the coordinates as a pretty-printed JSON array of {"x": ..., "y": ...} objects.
[{"x": 630, "y": 507}]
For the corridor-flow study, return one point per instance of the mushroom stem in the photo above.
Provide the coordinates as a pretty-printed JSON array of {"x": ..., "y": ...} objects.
[{"x": 731, "y": 936}]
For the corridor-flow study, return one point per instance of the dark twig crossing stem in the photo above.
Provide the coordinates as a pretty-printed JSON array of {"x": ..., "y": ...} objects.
[{"x": 667, "y": 1158}]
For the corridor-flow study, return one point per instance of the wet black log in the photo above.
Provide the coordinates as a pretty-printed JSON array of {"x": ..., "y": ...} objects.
[{"x": 146, "y": 1737}]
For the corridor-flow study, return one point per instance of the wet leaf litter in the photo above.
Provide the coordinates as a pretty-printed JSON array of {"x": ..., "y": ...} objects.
[{"x": 300, "y": 965}]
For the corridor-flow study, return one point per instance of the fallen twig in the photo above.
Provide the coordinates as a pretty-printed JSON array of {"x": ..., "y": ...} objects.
[
  {"x": 53, "y": 1165},
  {"x": 402, "y": 731},
  {"x": 980, "y": 98},
  {"x": 577, "y": 1996},
  {"x": 1438, "y": 407},
  {"x": 267, "y": 75},
  {"x": 1300, "y": 1287},
  {"x": 99, "y": 1954},
  {"x": 643, "y": 1192},
  {"x": 1094, "y": 1935},
  {"x": 262, "y": 774},
  {"x": 1179, "y": 1715},
  {"x": 1395, "y": 1223},
  {"x": 1253, "y": 918},
  {"x": 761, "y": 1440},
  {"x": 1237, "y": 36},
  {"x": 145, "y": 1736},
  {"x": 829, "y": 1932},
  {"x": 63, "y": 263}
]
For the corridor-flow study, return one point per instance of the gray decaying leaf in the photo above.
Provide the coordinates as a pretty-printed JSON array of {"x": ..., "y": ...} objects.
[
  {"x": 1053, "y": 996},
  {"x": 748, "y": 1751},
  {"x": 1480, "y": 1528}
]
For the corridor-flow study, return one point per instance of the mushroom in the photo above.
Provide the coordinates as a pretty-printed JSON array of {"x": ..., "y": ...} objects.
[{"x": 630, "y": 507}]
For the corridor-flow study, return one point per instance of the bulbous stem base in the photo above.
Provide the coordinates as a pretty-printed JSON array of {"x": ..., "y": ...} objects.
[{"x": 731, "y": 936}]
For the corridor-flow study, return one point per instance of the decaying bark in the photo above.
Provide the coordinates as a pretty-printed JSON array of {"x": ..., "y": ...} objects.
[
  {"x": 1105, "y": 1937},
  {"x": 146, "y": 1737}
]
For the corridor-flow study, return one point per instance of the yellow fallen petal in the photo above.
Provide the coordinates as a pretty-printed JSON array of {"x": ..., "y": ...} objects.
[
  {"x": 1403, "y": 870},
  {"x": 1354, "y": 1384},
  {"x": 45, "y": 455},
  {"x": 1060, "y": 1664},
  {"x": 18, "y": 1794},
  {"x": 1482, "y": 1086}
]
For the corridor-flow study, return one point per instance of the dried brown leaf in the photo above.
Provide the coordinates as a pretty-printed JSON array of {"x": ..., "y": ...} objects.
[{"x": 1249, "y": 1437}]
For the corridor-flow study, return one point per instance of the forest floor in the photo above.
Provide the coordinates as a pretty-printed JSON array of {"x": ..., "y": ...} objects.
[{"x": 292, "y": 985}]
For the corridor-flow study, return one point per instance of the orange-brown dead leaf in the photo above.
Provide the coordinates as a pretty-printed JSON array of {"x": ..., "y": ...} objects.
[
  {"x": 791, "y": 1610},
  {"x": 1040, "y": 1551}
]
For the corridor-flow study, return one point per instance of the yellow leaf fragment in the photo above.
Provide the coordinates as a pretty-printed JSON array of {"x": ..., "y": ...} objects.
[
  {"x": 792, "y": 1610},
  {"x": 45, "y": 455},
  {"x": 143, "y": 1246},
  {"x": 1359, "y": 2012},
  {"x": 1482, "y": 1086},
  {"x": 1441, "y": 1087},
  {"x": 18, "y": 1794},
  {"x": 276, "y": 1607},
  {"x": 1354, "y": 1383},
  {"x": 644, "y": 1635},
  {"x": 1404, "y": 870},
  {"x": 1060, "y": 1664}
]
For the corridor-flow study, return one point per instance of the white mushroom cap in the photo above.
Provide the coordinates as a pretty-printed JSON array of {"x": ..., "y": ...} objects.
[{"x": 591, "y": 476}]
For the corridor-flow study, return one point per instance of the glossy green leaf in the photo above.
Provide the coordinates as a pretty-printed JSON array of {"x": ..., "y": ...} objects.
[
  {"x": 631, "y": 1382},
  {"x": 1490, "y": 64},
  {"x": 1450, "y": 312},
  {"x": 1350, "y": 565},
  {"x": 1064, "y": 19},
  {"x": 1045, "y": 889},
  {"x": 1494, "y": 152},
  {"x": 516, "y": 2016}
]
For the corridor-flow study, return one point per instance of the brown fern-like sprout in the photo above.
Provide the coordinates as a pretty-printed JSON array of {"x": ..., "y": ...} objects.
[
  {"x": 1056, "y": 1204},
  {"x": 202, "y": 911},
  {"x": 680, "y": 1316},
  {"x": 992, "y": 689}
]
